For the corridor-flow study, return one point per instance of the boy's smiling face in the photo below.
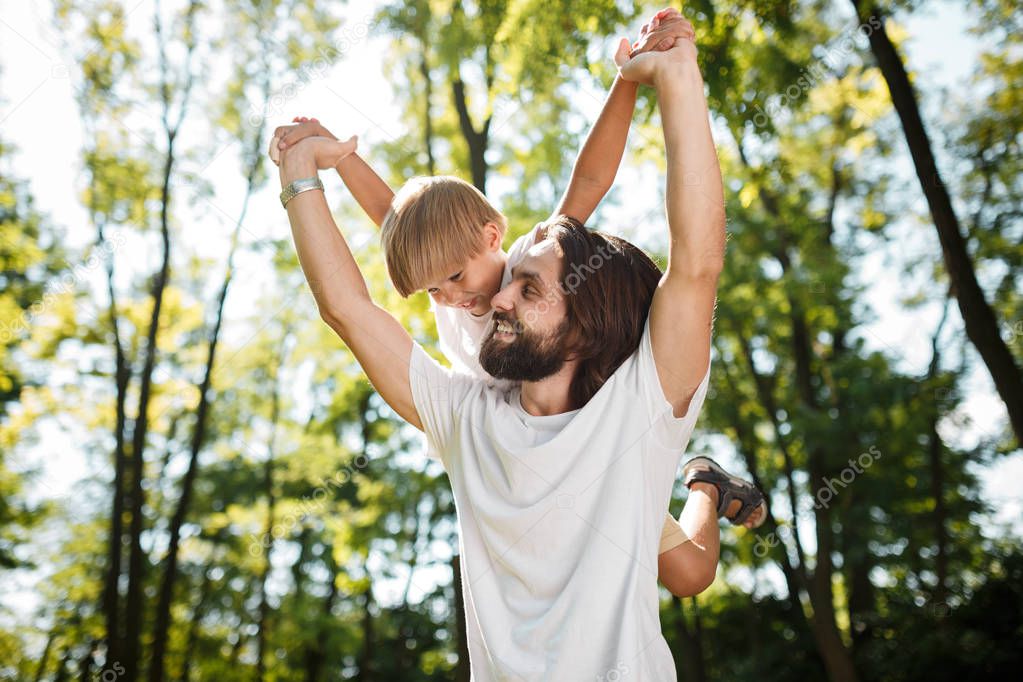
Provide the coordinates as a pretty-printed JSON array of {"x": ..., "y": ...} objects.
[{"x": 472, "y": 285}]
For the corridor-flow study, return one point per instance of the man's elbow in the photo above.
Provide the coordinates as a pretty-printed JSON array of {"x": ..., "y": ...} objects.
[
  {"x": 704, "y": 268},
  {"x": 337, "y": 318},
  {"x": 331, "y": 319}
]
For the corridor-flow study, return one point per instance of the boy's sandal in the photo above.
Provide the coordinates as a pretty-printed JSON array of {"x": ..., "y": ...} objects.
[{"x": 730, "y": 488}]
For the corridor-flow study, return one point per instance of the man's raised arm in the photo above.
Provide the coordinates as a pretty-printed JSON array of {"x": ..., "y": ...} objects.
[
  {"x": 682, "y": 312},
  {"x": 381, "y": 345}
]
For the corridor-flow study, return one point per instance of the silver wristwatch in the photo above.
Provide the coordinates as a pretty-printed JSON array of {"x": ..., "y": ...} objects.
[{"x": 299, "y": 186}]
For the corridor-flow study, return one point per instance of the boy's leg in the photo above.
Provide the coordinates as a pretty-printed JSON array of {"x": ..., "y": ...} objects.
[{"x": 689, "y": 568}]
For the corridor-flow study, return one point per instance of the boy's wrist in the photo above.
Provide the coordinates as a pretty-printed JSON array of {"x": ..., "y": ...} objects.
[
  {"x": 626, "y": 86},
  {"x": 346, "y": 163}
]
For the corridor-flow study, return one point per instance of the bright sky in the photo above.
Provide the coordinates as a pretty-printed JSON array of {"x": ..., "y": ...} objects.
[{"x": 39, "y": 115}]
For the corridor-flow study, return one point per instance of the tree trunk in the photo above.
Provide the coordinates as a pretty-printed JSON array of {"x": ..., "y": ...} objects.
[
  {"x": 115, "y": 542},
  {"x": 162, "y": 618},
  {"x": 268, "y": 535},
  {"x": 978, "y": 316},
  {"x": 935, "y": 450},
  {"x": 477, "y": 140},
  {"x": 424, "y": 70},
  {"x": 835, "y": 655},
  {"x": 193, "y": 627},
  {"x": 166, "y": 595},
  {"x": 136, "y": 559},
  {"x": 367, "y": 653},
  {"x": 463, "y": 672},
  {"x": 88, "y": 660},
  {"x": 316, "y": 655},
  {"x": 44, "y": 659},
  {"x": 62, "y": 667},
  {"x": 690, "y": 663},
  {"x": 795, "y": 575},
  {"x": 858, "y": 565}
]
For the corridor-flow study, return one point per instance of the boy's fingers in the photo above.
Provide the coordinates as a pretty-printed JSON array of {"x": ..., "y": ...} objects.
[
  {"x": 622, "y": 53},
  {"x": 682, "y": 32},
  {"x": 678, "y": 28},
  {"x": 349, "y": 145}
]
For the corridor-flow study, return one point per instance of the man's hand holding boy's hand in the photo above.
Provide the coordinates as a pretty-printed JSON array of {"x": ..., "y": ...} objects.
[
  {"x": 658, "y": 35},
  {"x": 312, "y": 154},
  {"x": 287, "y": 136},
  {"x": 668, "y": 43}
]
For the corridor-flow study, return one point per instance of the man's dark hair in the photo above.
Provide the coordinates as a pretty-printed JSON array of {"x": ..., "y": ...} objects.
[{"x": 608, "y": 284}]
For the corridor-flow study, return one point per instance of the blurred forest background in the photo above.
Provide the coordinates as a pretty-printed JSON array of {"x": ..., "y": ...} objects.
[{"x": 198, "y": 483}]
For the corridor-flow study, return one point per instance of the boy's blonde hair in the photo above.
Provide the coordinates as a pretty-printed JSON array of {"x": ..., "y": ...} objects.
[{"x": 434, "y": 226}]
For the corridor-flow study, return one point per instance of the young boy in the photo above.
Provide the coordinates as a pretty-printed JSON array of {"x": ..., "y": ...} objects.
[{"x": 442, "y": 235}]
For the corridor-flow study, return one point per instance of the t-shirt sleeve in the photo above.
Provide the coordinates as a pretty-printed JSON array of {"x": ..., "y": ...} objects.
[
  {"x": 438, "y": 394},
  {"x": 642, "y": 378}
]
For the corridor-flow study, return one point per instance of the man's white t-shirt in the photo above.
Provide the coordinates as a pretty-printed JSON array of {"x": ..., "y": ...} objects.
[
  {"x": 560, "y": 519},
  {"x": 461, "y": 333}
]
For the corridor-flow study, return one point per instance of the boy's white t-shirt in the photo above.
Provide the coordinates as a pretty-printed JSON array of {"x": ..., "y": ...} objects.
[
  {"x": 559, "y": 519},
  {"x": 461, "y": 333}
]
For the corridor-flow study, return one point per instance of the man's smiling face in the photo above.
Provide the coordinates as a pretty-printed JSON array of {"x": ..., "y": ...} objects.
[{"x": 528, "y": 340}]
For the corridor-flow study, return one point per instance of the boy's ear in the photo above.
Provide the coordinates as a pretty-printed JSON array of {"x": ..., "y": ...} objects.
[{"x": 492, "y": 236}]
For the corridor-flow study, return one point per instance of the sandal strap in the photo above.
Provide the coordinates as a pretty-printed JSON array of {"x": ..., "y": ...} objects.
[
  {"x": 744, "y": 513},
  {"x": 730, "y": 489},
  {"x": 725, "y": 499}
]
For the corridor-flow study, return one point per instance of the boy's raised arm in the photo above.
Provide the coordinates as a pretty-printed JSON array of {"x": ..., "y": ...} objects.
[
  {"x": 368, "y": 188},
  {"x": 597, "y": 164},
  {"x": 601, "y": 154},
  {"x": 381, "y": 345}
]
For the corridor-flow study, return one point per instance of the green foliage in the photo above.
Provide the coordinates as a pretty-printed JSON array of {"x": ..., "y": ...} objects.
[
  {"x": 32, "y": 266},
  {"x": 318, "y": 528}
]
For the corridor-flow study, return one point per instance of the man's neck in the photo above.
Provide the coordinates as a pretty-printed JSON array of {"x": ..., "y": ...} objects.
[{"x": 551, "y": 395}]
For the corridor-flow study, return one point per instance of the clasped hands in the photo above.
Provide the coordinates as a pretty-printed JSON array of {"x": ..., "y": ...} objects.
[{"x": 666, "y": 41}]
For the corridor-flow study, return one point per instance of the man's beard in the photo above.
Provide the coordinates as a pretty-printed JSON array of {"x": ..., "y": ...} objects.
[{"x": 530, "y": 357}]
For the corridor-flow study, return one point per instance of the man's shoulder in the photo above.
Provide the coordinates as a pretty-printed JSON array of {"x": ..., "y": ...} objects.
[{"x": 428, "y": 371}]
